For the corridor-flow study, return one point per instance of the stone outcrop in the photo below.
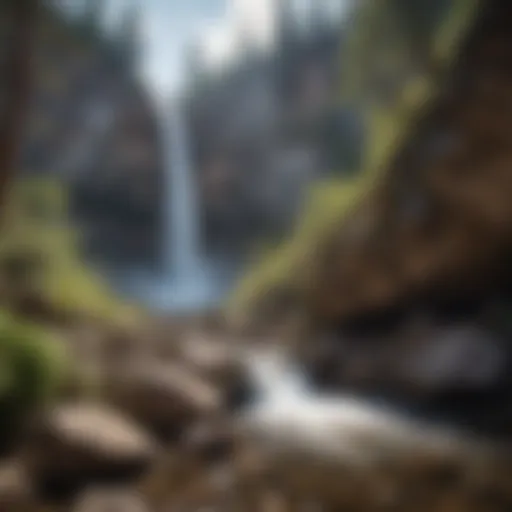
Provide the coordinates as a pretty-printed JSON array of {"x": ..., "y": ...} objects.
[
  {"x": 75, "y": 445},
  {"x": 166, "y": 397},
  {"x": 437, "y": 227},
  {"x": 15, "y": 485},
  {"x": 92, "y": 124}
]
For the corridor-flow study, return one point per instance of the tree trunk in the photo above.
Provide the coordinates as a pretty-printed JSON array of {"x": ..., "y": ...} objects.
[{"x": 15, "y": 58}]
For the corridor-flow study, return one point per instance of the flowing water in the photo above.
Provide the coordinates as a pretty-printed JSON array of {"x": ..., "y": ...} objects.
[
  {"x": 182, "y": 230},
  {"x": 190, "y": 281},
  {"x": 289, "y": 416}
]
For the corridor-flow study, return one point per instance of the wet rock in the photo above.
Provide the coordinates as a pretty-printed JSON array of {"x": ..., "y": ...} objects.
[
  {"x": 456, "y": 358},
  {"x": 110, "y": 500},
  {"x": 74, "y": 445},
  {"x": 413, "y": 364},
  {"x": 324, "y": 361},
  {"x": 220, "y": 363},
  {"x": 165, "y": 397}
]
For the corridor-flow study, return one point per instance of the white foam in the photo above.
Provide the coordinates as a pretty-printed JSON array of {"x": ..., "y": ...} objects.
[{"x": 290, "y": 418}]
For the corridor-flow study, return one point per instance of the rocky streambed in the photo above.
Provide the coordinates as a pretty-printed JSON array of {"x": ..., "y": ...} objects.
[{"x": 192, "y": 419}]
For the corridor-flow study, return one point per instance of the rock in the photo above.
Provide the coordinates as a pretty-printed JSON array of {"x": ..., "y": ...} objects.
[
  {"x": 209, "y": 356},
  {"x": 210, "y": 443},
  {"x": 85, "y": 341},
  {"x": 273, "y": 501},
  {"x": 413, "y": 365},
  {"x": 324, "y": 361},
  {"x": 461, "y": 357},
  {"x": 75, "y": 445},
  {"x": 110, "y": 500},
  {"x": 34, "y": 305},
  {"x": 208, "y": 490},
  {"x": 220, "y": 363},
  {"x": 159, "y": 337},
  {"x": 164, "y": 396},
  {"x": 15, "y": 486}
]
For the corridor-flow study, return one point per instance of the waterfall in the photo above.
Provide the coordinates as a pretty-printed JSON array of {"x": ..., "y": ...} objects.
[
  {"x": 189, "y": 281},
  {"x": 181, "y": 222}
]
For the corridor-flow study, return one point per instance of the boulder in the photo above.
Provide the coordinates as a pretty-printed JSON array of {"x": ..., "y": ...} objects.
[
  {"x": 15, "y": 486},
  {"x": 74, "y": 445},
  {"x": 164, "y": 396}
]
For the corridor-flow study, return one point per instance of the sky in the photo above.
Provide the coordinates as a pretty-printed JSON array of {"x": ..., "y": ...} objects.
[{"x": 170, "y": 26}]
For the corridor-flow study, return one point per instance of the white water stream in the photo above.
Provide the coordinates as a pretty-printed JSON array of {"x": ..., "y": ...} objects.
[{"x": 292, "y": 419}]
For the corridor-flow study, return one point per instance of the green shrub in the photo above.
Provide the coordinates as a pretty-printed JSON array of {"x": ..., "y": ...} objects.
[{"x": 33, "y": 366}]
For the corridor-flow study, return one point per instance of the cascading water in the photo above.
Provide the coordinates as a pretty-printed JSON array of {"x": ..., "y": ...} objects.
[
  {"x": 188, "y": 282},
  {"x": 181, "y": 222},
  {"x": 291, "y": 417}
]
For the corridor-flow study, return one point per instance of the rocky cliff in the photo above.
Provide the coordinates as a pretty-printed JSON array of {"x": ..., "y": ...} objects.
[
  {"x": 348, "y": 263},
  {"x": 93, "y": 125},
  {"x": 404, "y": 290},
  {"x": 264, "y": 130}
]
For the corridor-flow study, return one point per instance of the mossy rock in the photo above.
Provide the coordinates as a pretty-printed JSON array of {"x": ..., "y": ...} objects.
[{"x": 33, "y": 366}]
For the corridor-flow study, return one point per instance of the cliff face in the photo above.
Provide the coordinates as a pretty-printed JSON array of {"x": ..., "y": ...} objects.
[
  {"x": 438, "y": 226},
  {"x": 92, "y": 125},
  {"x": 405, "y": 294},
  {"x": 263, "y": 131},
  {"x": 347, "y": 265}
]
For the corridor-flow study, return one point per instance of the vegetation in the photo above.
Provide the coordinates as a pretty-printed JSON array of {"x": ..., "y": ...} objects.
[
  {"x": 32, "y": 370},
  {"x": 390, "y": 79},
  {"x": 37, "y": 232},
  {"x": 39, "y": 256}
]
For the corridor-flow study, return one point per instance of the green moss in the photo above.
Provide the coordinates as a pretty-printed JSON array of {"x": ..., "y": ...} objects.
[
  {"x": 37, "y": 228},
  {"x": 286, "y": 267},
  {"x": 453, "y": 29},
  {"x": 33, "y": 366}
]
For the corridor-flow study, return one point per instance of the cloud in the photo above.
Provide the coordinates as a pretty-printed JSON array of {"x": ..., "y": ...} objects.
[{"x": 247, "y": 20}]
